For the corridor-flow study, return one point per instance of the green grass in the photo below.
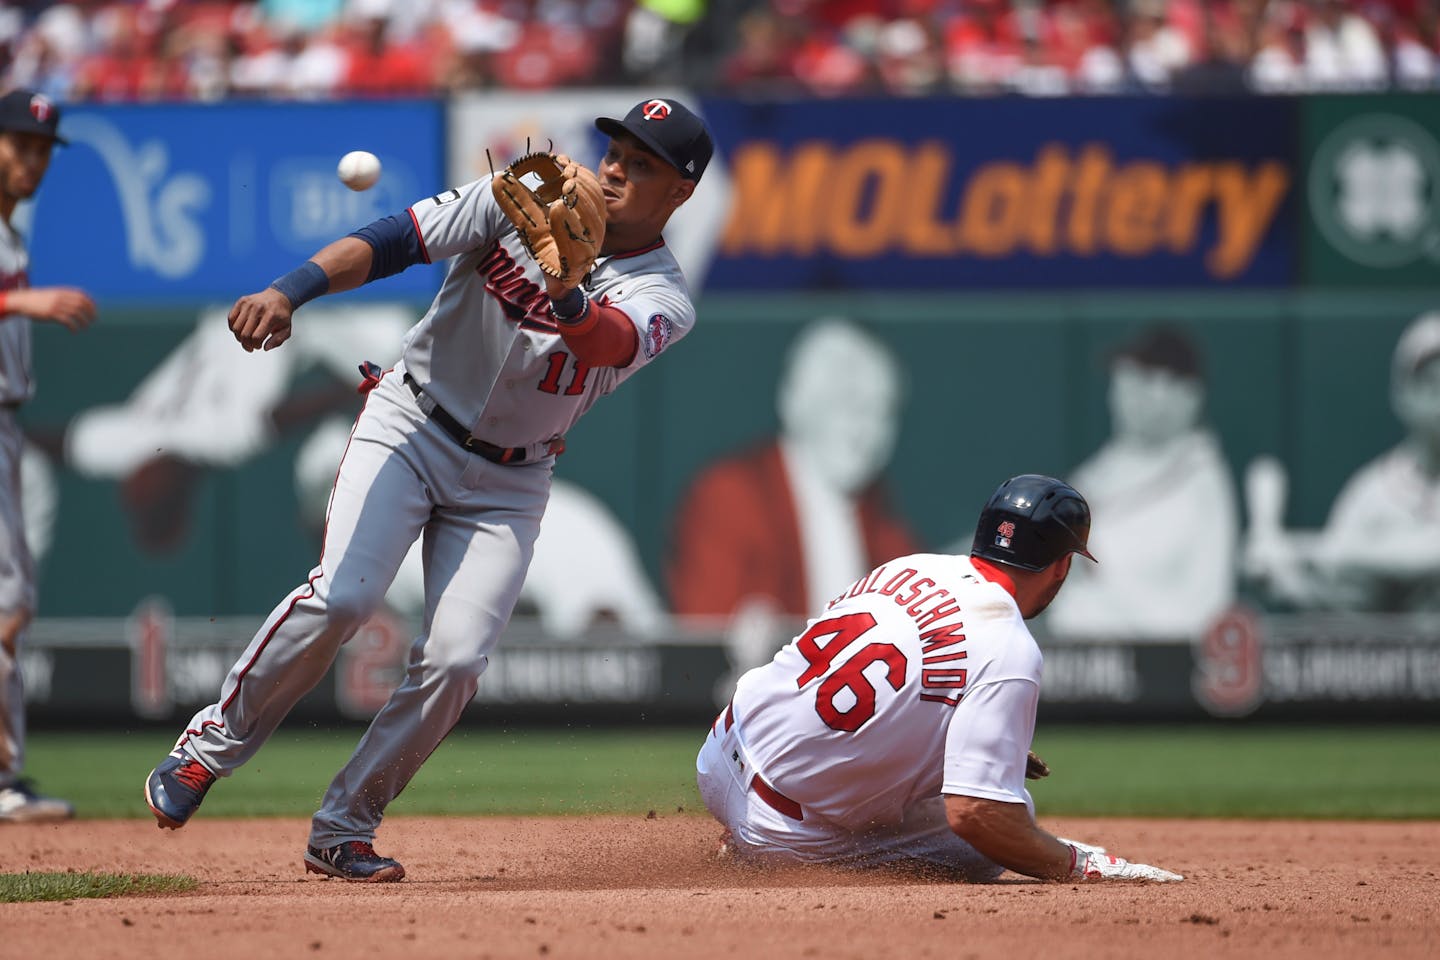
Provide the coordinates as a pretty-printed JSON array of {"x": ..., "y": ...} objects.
[
  {"x": 30, "y": 887},
  {"x": 552, "y": 771},
  {"x": 1376, "y": 772}
]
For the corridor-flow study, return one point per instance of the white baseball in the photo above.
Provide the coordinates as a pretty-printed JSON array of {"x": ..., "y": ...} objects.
[{"x": 359, "y": 169}]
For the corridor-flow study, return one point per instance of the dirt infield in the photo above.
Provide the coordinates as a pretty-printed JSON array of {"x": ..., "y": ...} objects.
[{"x": 598, "y": 887}]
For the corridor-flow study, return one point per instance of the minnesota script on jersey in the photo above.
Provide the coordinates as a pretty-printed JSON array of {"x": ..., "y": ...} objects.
[{"x": 488, "y": 350}]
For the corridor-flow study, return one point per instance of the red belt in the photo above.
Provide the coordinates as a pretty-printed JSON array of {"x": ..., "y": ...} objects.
[
  {"x": 728, "y": 718},
  {"x": 773, "y": 798},
  {"x": 777, "y": 800}
]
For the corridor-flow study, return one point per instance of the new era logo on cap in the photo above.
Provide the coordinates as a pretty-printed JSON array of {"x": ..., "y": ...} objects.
[{"x": 670, "y": 129}]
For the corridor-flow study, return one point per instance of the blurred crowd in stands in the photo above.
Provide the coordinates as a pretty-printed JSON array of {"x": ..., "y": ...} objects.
[{"x": 215, "y": 49}]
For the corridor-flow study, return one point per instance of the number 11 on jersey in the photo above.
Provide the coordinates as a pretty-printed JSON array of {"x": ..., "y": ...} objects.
[{"x": 551, "y": 383}]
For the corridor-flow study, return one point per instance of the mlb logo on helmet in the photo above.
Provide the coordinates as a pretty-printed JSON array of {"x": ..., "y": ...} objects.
[{"x": 1003, "y": 533}]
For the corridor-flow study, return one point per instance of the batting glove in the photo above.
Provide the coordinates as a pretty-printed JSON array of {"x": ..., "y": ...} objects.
[
  {"x": 1087, "y": 847},
  {"x": 1086, "y": 864}
]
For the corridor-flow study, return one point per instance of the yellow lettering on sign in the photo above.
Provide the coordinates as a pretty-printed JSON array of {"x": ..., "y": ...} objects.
[
  {"x": 922, "y": 231},
  {"x": 866, "y": 201},
  {"x": 1247, "y": 207},
  {"x": 882, "y": 195},
  {"x": 1135, "y": 208},
  {"x": 993, "y": 210},
  {"x": 775, "y": 206},
  {"x": 1189, "y": 192},
  {"x": 1092, "y": 171},
  {"x": 1047, "y": 187}
]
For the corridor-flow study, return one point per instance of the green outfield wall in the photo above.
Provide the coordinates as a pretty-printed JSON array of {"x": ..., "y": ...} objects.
[
  {"x": 993, "y": 386},
  {"x": 176, "y": 486}
]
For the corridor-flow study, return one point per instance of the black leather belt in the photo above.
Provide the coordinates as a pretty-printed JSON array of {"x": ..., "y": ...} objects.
[{"x": 462, "y": 436}]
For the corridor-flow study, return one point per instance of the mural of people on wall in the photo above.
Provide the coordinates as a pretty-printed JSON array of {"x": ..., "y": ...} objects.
[
  {"x": 1163, "y": 501},
  {"x": 587, "y": 568},
  {"x": 202, "y": 409},
  {"x": 765, "y": 533},
  {"x": 790, "y": 521},
  {"x": 1379, "y": 550}
]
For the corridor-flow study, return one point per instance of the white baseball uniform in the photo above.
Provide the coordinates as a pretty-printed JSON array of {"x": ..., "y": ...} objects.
[
  {"x": 17, "y": 569},
  {"x": 488, "y": 354},
  {"x": 920, "y": 680}
]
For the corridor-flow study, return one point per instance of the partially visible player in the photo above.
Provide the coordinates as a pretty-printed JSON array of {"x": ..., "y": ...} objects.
[
  {"x": 28, "y": 134},
  {"x": 897, "y": 727},
  {"x": 1380, "y": 548},
  {"x": 456, "y": 444}
]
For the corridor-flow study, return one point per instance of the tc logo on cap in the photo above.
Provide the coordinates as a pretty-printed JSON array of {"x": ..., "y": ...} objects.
[
  {"x": 41, "y": 108},
  {"x": 655, "y": 110}
]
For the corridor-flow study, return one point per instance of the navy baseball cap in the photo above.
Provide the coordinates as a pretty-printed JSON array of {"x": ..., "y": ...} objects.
[
  {"x": 667, "y": 127},
  {"x": 29, "y": 112}
]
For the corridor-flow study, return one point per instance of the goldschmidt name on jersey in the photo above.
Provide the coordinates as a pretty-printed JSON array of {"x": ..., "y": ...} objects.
[{"x": 939, "y": 642}]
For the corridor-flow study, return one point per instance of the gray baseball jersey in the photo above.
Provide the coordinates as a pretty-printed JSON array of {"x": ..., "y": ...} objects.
[
  {"x": 15, "y": 383},
  {"x": 489, "y": 353},
  {"x": 487, "y": 346}
]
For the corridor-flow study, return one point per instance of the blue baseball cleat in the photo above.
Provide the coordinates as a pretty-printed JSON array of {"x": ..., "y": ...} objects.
[
  {"x": 353, "y": 860},
  {"x": 175, "y": 788}
]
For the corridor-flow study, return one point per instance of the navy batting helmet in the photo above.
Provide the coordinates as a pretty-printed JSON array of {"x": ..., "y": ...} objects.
[{"x": 1031, "y": 521}]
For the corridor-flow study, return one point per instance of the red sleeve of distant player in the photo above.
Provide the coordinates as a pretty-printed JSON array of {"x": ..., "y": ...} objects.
[{"x": 603, "y": 337}]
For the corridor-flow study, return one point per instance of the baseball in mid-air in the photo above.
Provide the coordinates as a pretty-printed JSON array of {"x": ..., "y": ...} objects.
[{"x": 359, "y": 169}]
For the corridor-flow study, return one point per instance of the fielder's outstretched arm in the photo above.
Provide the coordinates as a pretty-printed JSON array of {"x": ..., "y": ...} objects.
[
  {"x": 379, "y": 249},
  {"x": 262, "y": 320}
]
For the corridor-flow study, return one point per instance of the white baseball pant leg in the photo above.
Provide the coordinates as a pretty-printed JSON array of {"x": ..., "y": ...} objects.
[
  {"x": 760, "y": 833},
  {"x": 378, "y": 507},
  {"x": 476, "y": 551},
  {"x": 17, "y": 597}
]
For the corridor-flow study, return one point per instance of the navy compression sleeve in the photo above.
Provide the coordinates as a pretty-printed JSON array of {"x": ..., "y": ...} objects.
[{"x": 394, "y": 244}]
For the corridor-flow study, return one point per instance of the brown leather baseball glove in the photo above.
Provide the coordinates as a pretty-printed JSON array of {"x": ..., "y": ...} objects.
[
  {"x": 1035, "y": 768},
  {"x": 559, "y": 210}
]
